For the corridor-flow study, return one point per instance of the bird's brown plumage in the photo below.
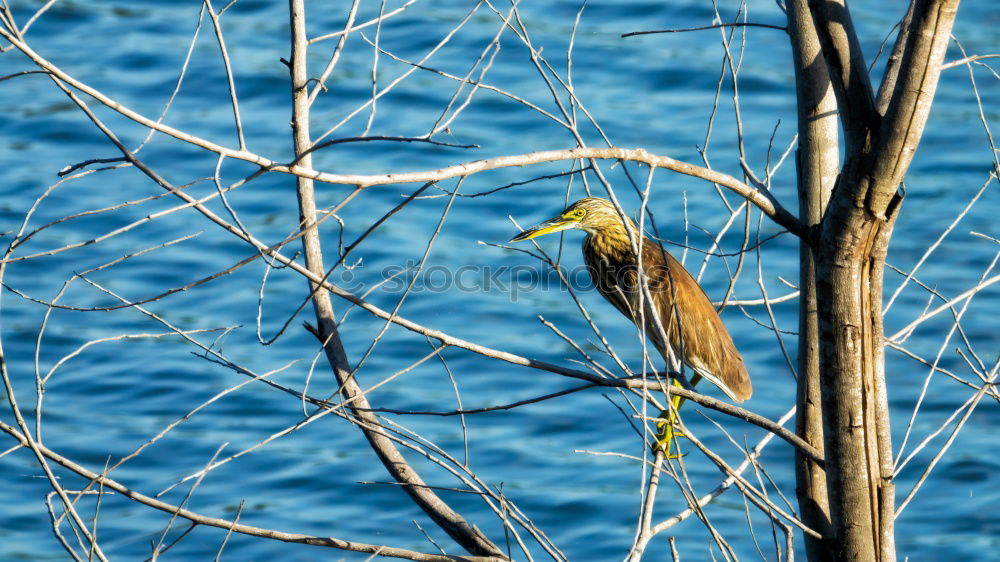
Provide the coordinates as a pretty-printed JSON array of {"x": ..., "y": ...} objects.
[{"x": 691, "y": 324}]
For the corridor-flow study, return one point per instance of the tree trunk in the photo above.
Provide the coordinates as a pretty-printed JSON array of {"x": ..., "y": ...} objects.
[
  {"x": 817, "y": 164},
  {"x": 856, "y": 430}
]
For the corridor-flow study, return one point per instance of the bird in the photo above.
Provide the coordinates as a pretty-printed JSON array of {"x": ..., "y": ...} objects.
[{"x": 694, "y": 332}]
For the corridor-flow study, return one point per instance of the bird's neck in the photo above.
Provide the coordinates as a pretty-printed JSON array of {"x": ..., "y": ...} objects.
[{"x": 611, "y": 241}]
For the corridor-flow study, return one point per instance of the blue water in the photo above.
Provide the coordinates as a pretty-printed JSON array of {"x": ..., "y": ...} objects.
[{"x": 653, "y": 92}]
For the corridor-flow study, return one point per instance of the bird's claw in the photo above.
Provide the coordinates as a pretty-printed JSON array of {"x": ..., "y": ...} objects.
[{"x": 667, "y": 432}]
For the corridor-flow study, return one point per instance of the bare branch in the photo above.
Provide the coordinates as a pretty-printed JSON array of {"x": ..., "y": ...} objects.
[
  {"x": 233, "y": 526},
  {"x": 704, "y": 27},
  {"x": 848, "y": 71}
]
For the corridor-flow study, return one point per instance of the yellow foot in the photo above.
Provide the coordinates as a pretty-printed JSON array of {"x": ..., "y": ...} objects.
[{"x": 667, "y": 432}]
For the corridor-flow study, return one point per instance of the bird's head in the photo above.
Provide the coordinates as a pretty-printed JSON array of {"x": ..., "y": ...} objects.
[{"x": 592, "y": 215}]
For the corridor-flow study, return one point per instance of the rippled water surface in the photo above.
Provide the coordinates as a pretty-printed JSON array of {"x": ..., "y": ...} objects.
[{"x": 654, "y": 92}]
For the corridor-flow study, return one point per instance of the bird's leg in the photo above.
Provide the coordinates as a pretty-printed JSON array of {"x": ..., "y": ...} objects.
[{"x": 667, "y": 428}]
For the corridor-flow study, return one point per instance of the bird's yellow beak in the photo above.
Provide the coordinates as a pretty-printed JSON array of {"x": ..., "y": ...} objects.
[{"x": 552, "y": 225}]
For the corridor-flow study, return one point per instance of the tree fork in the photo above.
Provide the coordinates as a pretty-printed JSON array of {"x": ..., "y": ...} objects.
[{"x": 850, "y": 254}]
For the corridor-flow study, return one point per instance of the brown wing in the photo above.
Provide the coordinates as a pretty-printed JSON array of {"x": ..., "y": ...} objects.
[
  {"x": 693, "y": 327},
  {"x": 696, "y": 333}
]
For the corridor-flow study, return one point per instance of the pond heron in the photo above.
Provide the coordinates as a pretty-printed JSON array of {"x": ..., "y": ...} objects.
[{"x": 675, "y": 305}]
